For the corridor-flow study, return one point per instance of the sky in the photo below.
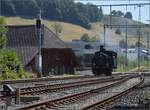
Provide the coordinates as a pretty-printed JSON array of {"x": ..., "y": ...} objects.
[{"x": 145, "y": 11}]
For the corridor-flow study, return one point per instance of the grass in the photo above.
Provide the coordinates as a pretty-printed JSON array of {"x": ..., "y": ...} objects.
[
  {"x": 69, "y": 32},
  {"x": 132, "y": 32},
  {"x": 132, "y": 66},
  {"x": 72, "y": 31}
]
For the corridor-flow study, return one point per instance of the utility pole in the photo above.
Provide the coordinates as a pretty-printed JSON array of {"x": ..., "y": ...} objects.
[
  {"x": 126, "y": 40},
  {"x": 110, "y": 15},
  {"x": 148, "y": 38},
  {"x": 139, "y": 50},
  {"x": 39, "y": 56},
  {"x": 139, "y": 35},
  {"x": 104, "y": 34},
  {"x": 148, "y": 50}
]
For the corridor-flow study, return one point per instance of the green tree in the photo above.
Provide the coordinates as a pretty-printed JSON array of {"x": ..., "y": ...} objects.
[
  {"x": 61, "y": 10},
  {"x": 28, "y": 8},
  {"x": 7, "y": 8},
  {"x": 117, "y": 13},
  {"x": 139, "y": 44},
  {"x": 31, "y": 8},
  {"x": 93, "y": 39},
  {"x": 118, "y": 31},
  {"x": 57, "y": 28},
  {"x": 3, "y": 32},
  {"x": 128, "y": 15},
  {"x": 85, "y": 37}
]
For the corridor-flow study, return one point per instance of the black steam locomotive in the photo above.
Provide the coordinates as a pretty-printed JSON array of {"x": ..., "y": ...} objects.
[{"x": 104, "y": 61}]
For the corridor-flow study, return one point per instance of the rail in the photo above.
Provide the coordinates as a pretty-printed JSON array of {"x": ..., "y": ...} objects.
[
  {"x": 70, "y": 98},
  {"x": 111, "y": 100},
  {"x": 57, "y": 87}
]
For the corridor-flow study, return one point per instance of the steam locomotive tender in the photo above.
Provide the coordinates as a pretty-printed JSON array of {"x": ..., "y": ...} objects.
[{"x": 104, "y": 62}]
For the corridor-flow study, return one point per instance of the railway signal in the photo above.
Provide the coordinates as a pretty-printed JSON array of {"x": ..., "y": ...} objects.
[{"x": 39, "y": 56}]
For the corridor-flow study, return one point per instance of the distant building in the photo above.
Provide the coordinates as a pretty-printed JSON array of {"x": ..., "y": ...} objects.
[
  {"x": 132, "y": 53},
  {"x": 57, "y": 57}
]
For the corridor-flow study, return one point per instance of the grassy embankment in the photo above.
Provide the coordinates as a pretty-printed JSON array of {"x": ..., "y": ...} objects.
[{"x": 69, "y": 31}]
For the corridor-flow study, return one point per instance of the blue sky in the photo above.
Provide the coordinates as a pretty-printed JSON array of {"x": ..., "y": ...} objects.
[{"x": 134, "y": 9}]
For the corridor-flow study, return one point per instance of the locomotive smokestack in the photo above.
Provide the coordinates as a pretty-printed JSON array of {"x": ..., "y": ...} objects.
[{"x": 102, "y": 48}]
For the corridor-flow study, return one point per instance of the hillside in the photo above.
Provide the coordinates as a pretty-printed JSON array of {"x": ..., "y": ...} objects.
[
  {"x": 122, "y": 21},
  {"x": 131, "y": 32},
  {"x": 72, "y": 31},
  {"x": 69, "y": 32},
  {"x": 76, "y": 13}
]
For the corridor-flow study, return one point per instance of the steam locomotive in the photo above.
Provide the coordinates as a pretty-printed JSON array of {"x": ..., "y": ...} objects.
[{"x": 104, "y": 62}]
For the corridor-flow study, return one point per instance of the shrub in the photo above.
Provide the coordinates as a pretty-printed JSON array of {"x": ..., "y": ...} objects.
[{"x": 10, "y": 66}]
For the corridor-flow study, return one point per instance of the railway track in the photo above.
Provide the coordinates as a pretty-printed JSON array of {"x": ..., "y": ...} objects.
[
  {"x": 48, "y": 81},
  {"x": 45, "y": 81},
  {"x": 63, "y": 86},
  {"x": 57, "y": 87},
  {"x": 42, "y": 79},
  {"x": 71, "y": 98},
  {"x": 52, "y": 88},
  {"x": 107, "y": 102},
  {"x": 60, "y": 78}
]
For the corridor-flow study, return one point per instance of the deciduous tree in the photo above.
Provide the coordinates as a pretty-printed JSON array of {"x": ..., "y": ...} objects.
[{"x": 57, "y": 28}]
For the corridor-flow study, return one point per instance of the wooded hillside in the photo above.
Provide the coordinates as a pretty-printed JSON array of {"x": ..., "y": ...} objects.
[{"x": 58, "y": 10}]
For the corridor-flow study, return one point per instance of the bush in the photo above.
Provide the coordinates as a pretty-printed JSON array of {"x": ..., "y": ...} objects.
[{"x": 10, "y": 66}]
